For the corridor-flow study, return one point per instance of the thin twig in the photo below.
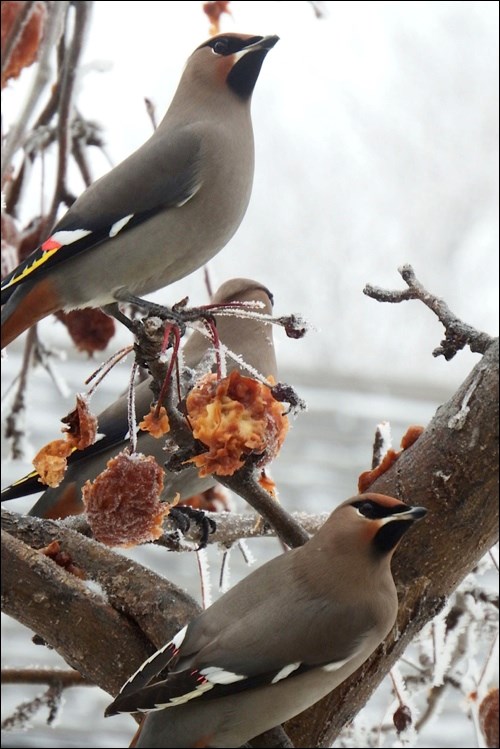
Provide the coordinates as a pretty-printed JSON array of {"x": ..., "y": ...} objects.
[
  {"x": 13, "y": 431},
  {"x": 457, "y": 333},
  {"x": 44, "y": 676},
  {"x": 69, "y": 75},
  {"x": 131, "y": 412},
  {"x": 22, "y": 715},
  {"x": 231, "y": 527}
]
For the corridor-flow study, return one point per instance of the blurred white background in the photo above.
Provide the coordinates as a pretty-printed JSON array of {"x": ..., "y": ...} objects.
[{"x": 376, "y": 145}]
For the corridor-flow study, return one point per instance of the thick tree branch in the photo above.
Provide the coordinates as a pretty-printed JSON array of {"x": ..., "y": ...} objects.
[
  {"x": 452, "y": 470},
  {"x": 146, "y": 609},
  {"x": 68, "y": 616}
]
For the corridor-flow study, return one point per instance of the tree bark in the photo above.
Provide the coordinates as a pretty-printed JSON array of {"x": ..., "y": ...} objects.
[
  {"x": 452, "y": 469},
  {"x": 105, "y": 636}
]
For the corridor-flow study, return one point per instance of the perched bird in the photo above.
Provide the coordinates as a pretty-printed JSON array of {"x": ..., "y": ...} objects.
[
  {"x": 165, "y": 210},
  {"x": 250, "y": 339},
  {"x": 280, "y": 640}
]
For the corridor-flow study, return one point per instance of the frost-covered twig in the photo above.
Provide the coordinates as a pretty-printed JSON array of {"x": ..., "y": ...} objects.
[
  {"x": 204, "y": 570},
  {"x": 231, "y": 527},
  {"x": 19, "y": 719},
  {"x": 457, "y": 333}
]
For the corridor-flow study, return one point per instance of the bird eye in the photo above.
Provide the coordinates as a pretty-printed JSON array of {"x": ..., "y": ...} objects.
[
  {"x": 221, "y": 47},
  {"x": 367, "y": 510}
]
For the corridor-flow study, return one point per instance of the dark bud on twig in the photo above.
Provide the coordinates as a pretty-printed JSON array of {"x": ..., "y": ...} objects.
[
  {"x": 402, "y": 718},
  {"x": 294, "y": 325},
  {"x": 286, "y": 394}
]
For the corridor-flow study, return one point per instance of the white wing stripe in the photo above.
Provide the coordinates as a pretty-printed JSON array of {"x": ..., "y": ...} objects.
[
  {"x": 337, "y": 664},
  {"x": 118, "y": 225},
  {"x": 68, "y": 237},
  {"x": 217, "y": 675},
  {"x": 285, "y": 671},
  {"x": 179, "y": 637}
]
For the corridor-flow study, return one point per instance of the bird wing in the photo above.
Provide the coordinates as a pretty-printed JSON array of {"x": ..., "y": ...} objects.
[
  {"x": 163, "y": 174},
  {"x": 226, "y": 651}
]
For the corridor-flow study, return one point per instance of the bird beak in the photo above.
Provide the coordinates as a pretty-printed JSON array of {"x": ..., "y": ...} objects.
[
  {"x": 266, "y": 43},
  {"x": 412, "y": 514}
]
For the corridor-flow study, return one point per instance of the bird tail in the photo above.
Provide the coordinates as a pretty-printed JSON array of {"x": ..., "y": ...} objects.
[{"x": 27, "y": 306}]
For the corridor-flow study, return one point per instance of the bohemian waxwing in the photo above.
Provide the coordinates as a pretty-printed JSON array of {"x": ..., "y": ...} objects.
[
  {"x": 165, "y": 210},
  {"x": 249, "y": 338},
  {"x": 280, "y": 640}
]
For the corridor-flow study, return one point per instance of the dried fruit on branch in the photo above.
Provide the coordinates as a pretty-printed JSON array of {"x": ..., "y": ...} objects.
[
  {"x": 28, "y": 40},
  {"x": 268, "y": 484},
  {"x": 90, "y": 329},
  {"x": 367, "y": 478},
  {"x": 81, "y": 430},
  {"x": 214, "y": 11},
  {"x": 402, "y": 718},
  {"x": 50, "y": 462},
  {"x": 123, "y": 503},
  {"x": 234, "y": 417},
  {"x": 156, "y": 425},
  {"x": 63, "y": 559}
]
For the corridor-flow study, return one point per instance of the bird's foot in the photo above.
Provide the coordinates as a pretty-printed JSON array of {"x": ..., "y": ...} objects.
[{"x": 182, "y": 515}]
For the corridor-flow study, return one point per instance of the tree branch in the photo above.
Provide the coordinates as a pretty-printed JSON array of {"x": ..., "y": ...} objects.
[
  {"x": 44, "y": 676},
  {"x": 138, "y": 610},
  {"x": 244, "y": 483},
  {"x": 231, "y": 527},
  {"x": 452, "y": 469},
  {"x": 457, "y": 333},
  {"x": 65, "y": 112}
]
